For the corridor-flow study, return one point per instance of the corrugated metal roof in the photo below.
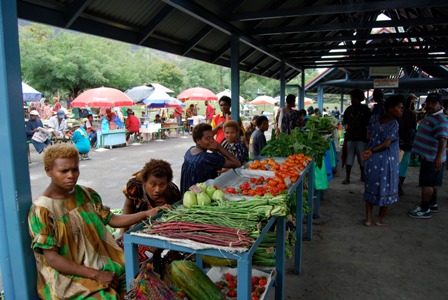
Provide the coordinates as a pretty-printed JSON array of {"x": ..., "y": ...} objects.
[{"x": 303, "y": 34}]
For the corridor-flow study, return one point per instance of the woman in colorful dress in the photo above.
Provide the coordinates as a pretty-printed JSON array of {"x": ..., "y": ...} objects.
[
  {"x": 76, "y": 256},
  {"x": 203, "y": 161},
  {"x": 382, "y": 160}
]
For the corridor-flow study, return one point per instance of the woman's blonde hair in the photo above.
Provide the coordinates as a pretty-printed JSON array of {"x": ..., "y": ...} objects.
[
  {"x": 54, "y": 152},
  {"x": 231, "y": 123}
]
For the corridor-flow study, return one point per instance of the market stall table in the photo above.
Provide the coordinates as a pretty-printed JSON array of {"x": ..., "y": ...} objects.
[
  {"x": 111, "y": 138},
  {"x": 148, "y": 130},
  {"x": 244, "y": 259},
  {"x": 236, "y": 177}
]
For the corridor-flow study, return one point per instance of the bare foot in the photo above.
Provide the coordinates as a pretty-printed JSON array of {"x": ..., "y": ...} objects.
[
  {"x": 378, "y": 223},
  {"x": 367, "y": 223}
]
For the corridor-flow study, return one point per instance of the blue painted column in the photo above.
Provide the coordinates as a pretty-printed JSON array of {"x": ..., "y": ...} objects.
[
  {"x": 235, "y": 76},
  {"x": 320, "y": 97},
  {"x": 282, "y": 84},
  {"x": 16, "y": 259}
]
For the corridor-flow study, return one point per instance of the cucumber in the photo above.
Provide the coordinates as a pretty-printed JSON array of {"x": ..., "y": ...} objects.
[{"x": 188, "y": 277}]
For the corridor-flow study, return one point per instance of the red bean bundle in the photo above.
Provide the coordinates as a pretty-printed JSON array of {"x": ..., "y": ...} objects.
[{"x": 202, "y": 233}]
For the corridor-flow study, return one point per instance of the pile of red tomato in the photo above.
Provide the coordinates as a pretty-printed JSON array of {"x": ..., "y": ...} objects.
[
  {"x": 285, "y": 173},
  {"x": 230, "y": 282}
]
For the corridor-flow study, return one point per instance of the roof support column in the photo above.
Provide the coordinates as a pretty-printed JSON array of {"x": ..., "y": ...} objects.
[
  {"x": 235, "y": 76},
  {"x": 320, "y": 97},
  {"x": 301, "y": 95},
  {"x": 342, "y": 103},
  {"x": 282, "y": 84},
  {"x": 16, "y": 258}
]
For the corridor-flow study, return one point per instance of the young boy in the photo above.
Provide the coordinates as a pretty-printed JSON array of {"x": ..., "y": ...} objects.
[{"x": 257, "y": 139}]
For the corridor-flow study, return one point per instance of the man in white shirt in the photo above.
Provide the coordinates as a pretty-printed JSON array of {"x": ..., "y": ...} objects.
[{"x": 58, "y": 124}]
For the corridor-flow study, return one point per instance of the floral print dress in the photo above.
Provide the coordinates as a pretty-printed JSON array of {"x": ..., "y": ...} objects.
[{"x": 381, "y": 169}]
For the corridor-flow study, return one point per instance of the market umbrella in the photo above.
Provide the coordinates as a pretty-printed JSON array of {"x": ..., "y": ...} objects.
[
  {"x": 158, "y": 99},
  {"x": 29, "y": 93},
  {"x": 164, "y": 88},
  {"x": 139, "y": 93},
  {"x": 228, "y": 93},
  {"x": 102, "y": 97},
  {"x": 263, "y": 100},
  {"x": 197, "y": 93}
]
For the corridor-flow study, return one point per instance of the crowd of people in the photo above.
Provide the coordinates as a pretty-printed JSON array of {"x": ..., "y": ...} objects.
[
  {"x": 385, "y": 139},
  {"x": 67, "y": 223}
]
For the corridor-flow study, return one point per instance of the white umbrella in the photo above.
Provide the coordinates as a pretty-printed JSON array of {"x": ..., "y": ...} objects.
[{"x": 29, "y": 93}]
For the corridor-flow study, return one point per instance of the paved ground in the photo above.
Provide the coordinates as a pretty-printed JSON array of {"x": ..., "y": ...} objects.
[{"x": 345, "y": 260}]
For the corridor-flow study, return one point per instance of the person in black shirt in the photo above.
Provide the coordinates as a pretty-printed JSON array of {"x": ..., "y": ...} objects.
[{"x": 356, "y": 119}]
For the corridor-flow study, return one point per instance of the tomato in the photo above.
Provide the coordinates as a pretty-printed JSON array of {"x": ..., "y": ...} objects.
[
  {"x": 253, "y": 180},
  {"x": 231, "y": 294},
  {"x": 254, "y": 280},
  {"x": 231, "y": 284},
  {"x": 262, "y": 282},
  {"x": 219, "y": 285},
  {"x": 255, "y": 297},
  {"x": 251, "y": 193},
  {"x": 260, "y": 290},
  {"x": 261, "y": 178},
  {"x": 229, "y": 277}
]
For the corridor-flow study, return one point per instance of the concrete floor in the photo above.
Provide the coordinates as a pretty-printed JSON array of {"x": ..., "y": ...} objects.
[{"x": 345, "y": 259}]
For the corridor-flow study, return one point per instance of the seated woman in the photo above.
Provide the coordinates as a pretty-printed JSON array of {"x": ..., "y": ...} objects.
[
  {"x": 81, "y": 140},
  {"x": 150, "y": 187},
  {"x": 203, "y": 161},
  {"x": 76, "y": 256},
  {"x": 232, "y": 144}
]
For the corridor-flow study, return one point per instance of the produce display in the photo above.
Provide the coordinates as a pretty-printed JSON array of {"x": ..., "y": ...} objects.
[
  {"x": 311, "y": 143},
  {"x": 285, "y": 173},
  {"x": 230, "y": 212},
  {"x": 226, "y": 280}
]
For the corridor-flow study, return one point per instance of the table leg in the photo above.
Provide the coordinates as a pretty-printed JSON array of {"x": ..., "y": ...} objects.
[
  {"x": 244, "y": 287},
  {"x": 131, "y": 257},
  {"x": 280, "y": 259},
  {"x": 310, "y": 203},
  {"x": 299, "y": 229}
]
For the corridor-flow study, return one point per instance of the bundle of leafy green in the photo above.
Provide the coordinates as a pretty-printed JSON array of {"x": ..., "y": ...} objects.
[{"x": 310, "y": 142}]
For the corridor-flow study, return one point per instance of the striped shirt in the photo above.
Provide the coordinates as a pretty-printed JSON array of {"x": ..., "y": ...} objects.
[{"x": 432, "y": 128}]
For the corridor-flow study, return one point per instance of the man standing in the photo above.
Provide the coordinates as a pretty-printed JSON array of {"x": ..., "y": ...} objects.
[
  {"x": 378, "y": 108},
  {"x": 209, "y": 112},
  {"x": 356, "y": 119},
  {"x": 429, "y": 145}
]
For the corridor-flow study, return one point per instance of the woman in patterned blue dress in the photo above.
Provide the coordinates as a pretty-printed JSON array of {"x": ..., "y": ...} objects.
[
  {"x": 203, "y": 161},
  {"x": 381, "y": 168}
]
